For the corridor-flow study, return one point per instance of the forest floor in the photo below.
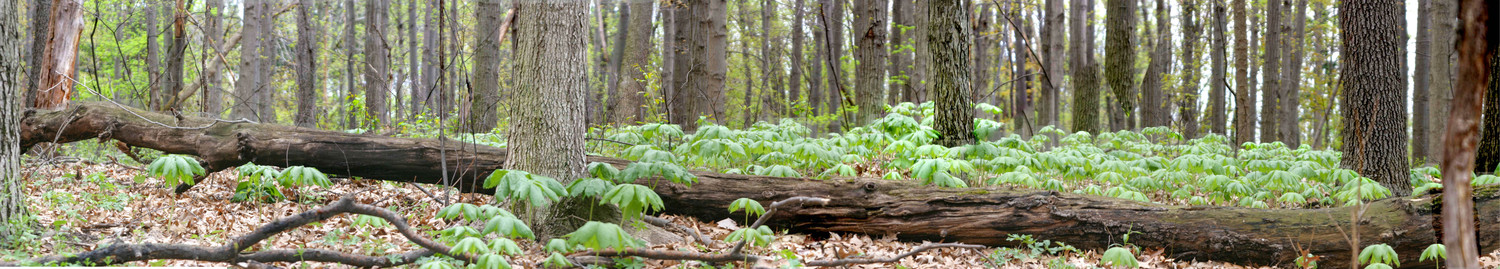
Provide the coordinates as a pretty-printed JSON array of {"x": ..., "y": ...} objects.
[{"x": 83, "y": 206}]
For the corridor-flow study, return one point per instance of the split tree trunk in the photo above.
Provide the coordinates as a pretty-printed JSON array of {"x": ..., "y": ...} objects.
[
  {"x": 59, "y": 58},
  {"x": 911, "y": 212}
]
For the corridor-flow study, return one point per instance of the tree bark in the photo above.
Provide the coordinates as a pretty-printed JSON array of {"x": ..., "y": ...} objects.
[
  {"x": 1021, "y": 99},
  {"x": 153, "y": 53},
  {"x": 921, "y": 54},
  {"x": 1153, "y": 110},
  {"x": 771, "y": 68},
  {"x": 1440, "y": 96},
  {"x": 1217, "y": 110},
  {"x": 948, "y": 35},
  {"x": 1052, "y": 65},
  {"x": 376, "y": 56},
  {"x": 1489, "y": 145},
  {"x": 700, "y": 63},
  {"x": 796, "y": 78},
  {"x": 1187, "y": 103},
  {"x": 547, "y": 136},
  {"x": 870, "y": 52},
  {"x": 307, "y": 76},
  {"x": 815, "y": 80},
  {"x": 1085, "y": 72},
  {"x": 1290, "y": 127},
  {"x": 1270, "y": 94},
  {"x": 484, "y": 98},
  {"x": 246, "y": 98},
  {"x": 60, "y": 56},
  {"x": 985, "y": 215},
  {"x": 212, "y": 101},
  {"x": 433, "y": 80},
  {"x": 173, "y": 80},
  {"x": 351, "y": 118},
  {"x": 1244, "y": 101},
  {"x": 900, "y": 78},
  {"x": 630, "y": 106},
  {"x": 1119, "y": 51},
  {"x": 1475, "y": 52},
  {"x": 13, "y": 209},
  {"x": 41, "y": 13},
  {"x": 1421, "y": 78},
  {"x": 1374, "y": 133}
]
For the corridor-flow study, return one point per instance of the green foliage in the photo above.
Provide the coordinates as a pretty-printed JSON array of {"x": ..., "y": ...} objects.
[
  {"x": 1434, "y": 252},
  {"x": 520, "y": 185},
  {"x": 632, "y": 199},
  {"x": 752, "y": 208},
  {"x": 1379, "y": 254},
  {"x": 1119, "y": 256},
  {"x": 508, "y": 226},
  {"x": 600, "y": 236},
  {"x": 758, "y": 236},
  {"x": 491, "y": 261},
  {"x": 175, "y": 169},
  {"x": 300, "y": 175}
]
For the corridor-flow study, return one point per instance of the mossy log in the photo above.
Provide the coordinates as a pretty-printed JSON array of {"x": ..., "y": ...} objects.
[{"x": 983, "y": 215}]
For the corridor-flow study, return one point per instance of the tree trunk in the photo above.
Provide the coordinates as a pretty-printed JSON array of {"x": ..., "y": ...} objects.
[
  {"x": 1052, "y": 65},
  {"x": 1421, "y": 76},
  {"x": 265, "y": 91},
  {"x": 1187, "y": 103},
  {"x": 985, "y": 215},
  {"x": 13, "y": 209},
  {"x": 1374, "y": 96},
  {"x": 796, "y": 80},
  {"x": 1084, "y": 71},
  {"x": 60, "y": 57},
  {"x": 307, "y": 76},
  {"x": 948, "y": 35},
  {"x": 1119, "y": 51},
  {"x": 921, "y": 54},
  {"x": 616, "y": 62},
  {"x": 700, "y": 63},
  {"x": 630, "y": 107},
  {"x": 820, "y": 46},
  {"x": 484, "y": 98},
  {"x": 1244, "y": 98},
  {"x": 173, "y": 80},
  {"x": 41, "y": 24},
  {"x": 980, "y": 63},
  {"x": 413, "y": 62},
  {"x": 772, "y": 69},
  {"x": 212, "y": 100},
  {"x": 1153, "y": 110},
  {"x": 351, "y": 117},
  {"x": 1291, "y": 128},
  {"x": 1021, "y": 84},
  {"x": 1489, "y": 146},
  {"x": 1217, "y": 111},
  {"x": 1270, "y": 94},
  {"x": 1441, "y": 91},
  {"x": 1474, "y": 54},
  {"x": 375, "y": 65},
  {"x": 870, "y": 51},
  {"x": 835, "y": 93},
  {"x": 432, "y": 78},
  {"x": 547, "y": 136},
  {"x": 153, "y": 54},
  {"x": 900, "y": 80},
  {"x": 246, "y": 86}
]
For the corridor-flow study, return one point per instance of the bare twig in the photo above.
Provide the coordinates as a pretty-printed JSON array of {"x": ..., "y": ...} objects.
[{"x": 231, "y": 252}]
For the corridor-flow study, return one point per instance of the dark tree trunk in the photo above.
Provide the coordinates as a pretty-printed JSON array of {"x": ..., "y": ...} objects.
[
  {"x": 921, "y": 54},
  {"x": 153, "y": 53},
  {"x": 630, "y": 106},
  {"x": 212, "y": 101},
  {"x": 1052, "y": 65},
  {"x": 41, "y": 24},
  {"x": 13, "y": 209},
  {"x": 1374, "y": 95},
  {"x": 1291, "y": 129},
  {"x": 1187, "y": 103},
  {"x": 700, "y": 63},
  {"x": 1244, "y": 96},
  {"x": 1153, "y": 109},
  {"x": 1270, "y": 94},
  {"x": 484, "y": 98},
  {"x": 799, "y": 35},
  {"x": 1440, "y": 93},
  {"x": 60, "y": 56},
  {"x": 772, "y": 84},
  {"x": 351, "y": 117},
  {"x": 307, "y": 66},
  {"x": 1217, "y": 110},
  {"x": 1489, "y": 145},
  {"x": 248, "y": 83},
  {"x": 1021, "y": 84},
  {"x": 913, "y": 212},
  {"x": 1119, "y": 65},
  {"x": 1084, "y": 71},
  {"x": 376, "y": 58},
  {"x": 900, "y": 81},
  {"x": 815, "y": 80},
  {"x": 1421, "y": 76},
  {"x": 172, "y": 81},
  {"x": 429, "y": 93},
  {"x": 948, "y": 38}
]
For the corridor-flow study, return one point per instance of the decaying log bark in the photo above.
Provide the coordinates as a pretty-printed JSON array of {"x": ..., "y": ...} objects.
[{"x": 984, "y": 215}]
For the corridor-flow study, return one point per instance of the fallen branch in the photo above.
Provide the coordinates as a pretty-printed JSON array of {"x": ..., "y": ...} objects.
[{"x": 232, "y": 251}]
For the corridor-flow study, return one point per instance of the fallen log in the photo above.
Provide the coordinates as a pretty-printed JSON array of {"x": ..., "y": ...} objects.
[{"x": 984, "y": 215}]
